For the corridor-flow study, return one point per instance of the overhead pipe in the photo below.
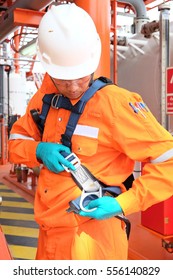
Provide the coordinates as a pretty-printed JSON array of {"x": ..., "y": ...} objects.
[
  {"x": 141, "y": 17},
  {"x": 7, "y": 25},
  {"x": 141, "y": 13}
]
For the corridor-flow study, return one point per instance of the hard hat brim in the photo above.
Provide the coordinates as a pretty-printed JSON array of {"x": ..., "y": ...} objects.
[{"x": 71, "y": 72}]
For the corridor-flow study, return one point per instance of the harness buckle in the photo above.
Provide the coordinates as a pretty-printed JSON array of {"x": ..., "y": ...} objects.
[
  {"x": 65, "y": 140},
  {"x": 86, "y": 197},
  {"x": 74, "y": 160},
  {"x": 91, "y": 188},
  {"x": 54, "y": 101}
]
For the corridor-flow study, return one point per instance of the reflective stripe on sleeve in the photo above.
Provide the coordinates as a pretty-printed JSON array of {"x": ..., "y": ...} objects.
[
  {"x": 19, "y": 136},
  {"x": 167, "y": 155}
]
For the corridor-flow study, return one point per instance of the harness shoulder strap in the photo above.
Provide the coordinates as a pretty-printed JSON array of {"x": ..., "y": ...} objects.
[
  {"x": 47, "y": 99},
  {"x": 59, "y": 101},
  {"x": 40, "y": 118},
  {"x": 74, "y": 117}
]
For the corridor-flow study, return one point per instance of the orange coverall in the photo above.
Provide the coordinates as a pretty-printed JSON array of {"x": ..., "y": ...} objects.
[{"x": 108, "y": 139}]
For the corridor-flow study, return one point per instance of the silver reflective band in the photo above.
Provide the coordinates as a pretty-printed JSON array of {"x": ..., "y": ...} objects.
[
  {"x": 167, "y": 155},
  {"x": 16, "y": 136},
  {"x": 85, "y": 130}
]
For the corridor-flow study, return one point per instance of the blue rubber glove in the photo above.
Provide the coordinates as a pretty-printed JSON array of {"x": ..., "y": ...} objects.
[
  {"x": 49, "y": 154},
  {"x": 106, "y": 207}
]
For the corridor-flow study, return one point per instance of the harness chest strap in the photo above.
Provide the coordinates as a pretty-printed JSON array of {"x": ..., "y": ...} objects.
[{"x": 57, "y": 101}]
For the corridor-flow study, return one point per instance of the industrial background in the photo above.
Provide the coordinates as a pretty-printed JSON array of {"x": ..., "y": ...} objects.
[{"x": 137, "y": 53}]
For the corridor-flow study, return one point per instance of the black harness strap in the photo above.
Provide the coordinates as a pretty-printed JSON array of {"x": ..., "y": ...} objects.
[
  {"x": 79, "y": 107},
  {"x": 59, "y": 101}
]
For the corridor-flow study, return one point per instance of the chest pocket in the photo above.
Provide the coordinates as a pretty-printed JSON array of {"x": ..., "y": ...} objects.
[{"x": 85, "y": 146}]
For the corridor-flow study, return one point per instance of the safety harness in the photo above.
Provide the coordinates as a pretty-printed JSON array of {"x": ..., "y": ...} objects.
[{"x": 90, "y": 186}]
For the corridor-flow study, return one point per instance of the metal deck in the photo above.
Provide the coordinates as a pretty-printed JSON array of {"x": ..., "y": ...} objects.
[{"x": 18, "y": 225}]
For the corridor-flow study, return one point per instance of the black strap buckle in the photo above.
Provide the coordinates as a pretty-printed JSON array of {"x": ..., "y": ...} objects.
[{"x": 65, "y": 140}]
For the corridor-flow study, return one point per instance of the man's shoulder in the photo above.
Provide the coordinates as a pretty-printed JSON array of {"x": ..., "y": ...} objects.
[{"x": 47, "y": 85}]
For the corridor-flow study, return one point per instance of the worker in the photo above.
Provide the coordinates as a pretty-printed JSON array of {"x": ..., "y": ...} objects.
[{"x": 115, "y": 130}]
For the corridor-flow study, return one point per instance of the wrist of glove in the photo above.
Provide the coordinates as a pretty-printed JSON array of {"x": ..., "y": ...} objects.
[
  {"x": 106, "y": 207},
  {"x": 50, "y": 155}
]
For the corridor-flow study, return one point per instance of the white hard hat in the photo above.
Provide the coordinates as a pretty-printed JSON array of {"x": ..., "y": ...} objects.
[{"x": 69, "y": 46}]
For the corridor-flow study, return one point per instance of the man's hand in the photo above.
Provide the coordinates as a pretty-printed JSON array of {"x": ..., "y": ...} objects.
[
  {"x": 106, "y": 207},
  {"x": 50, "y": 155}
]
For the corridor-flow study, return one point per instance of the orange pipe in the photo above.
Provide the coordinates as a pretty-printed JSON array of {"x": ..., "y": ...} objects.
[
  {"x": 16, "y": 55},
  {"x": 99, "y": 10}
]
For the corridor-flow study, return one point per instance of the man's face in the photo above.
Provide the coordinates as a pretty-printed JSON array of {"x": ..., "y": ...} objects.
[{"x": 72, "y": 89}]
